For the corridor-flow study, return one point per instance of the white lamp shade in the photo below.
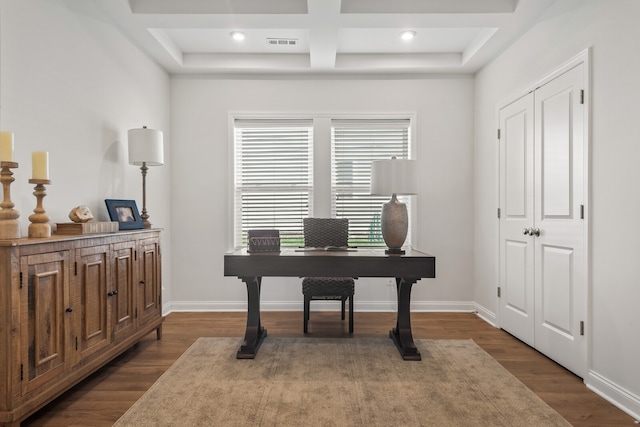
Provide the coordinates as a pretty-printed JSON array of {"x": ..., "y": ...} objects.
[
  {"x": 393, "y": 176},
  {"x": 146, "y": 146}
]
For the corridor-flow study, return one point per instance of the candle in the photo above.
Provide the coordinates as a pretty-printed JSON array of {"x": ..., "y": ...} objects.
[
  {"x": 6, "y": 147},
  {"x": 40, "y": 165}
]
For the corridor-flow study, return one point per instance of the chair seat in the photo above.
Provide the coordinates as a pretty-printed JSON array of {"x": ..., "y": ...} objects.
[{"x": 328, "y": 286}]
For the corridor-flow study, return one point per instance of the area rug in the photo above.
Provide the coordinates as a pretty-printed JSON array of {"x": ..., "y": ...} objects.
[{"x": 338, "y": 382}]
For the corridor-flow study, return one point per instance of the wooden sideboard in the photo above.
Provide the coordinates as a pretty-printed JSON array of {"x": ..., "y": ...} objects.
[{"x": 68, "y": 305}]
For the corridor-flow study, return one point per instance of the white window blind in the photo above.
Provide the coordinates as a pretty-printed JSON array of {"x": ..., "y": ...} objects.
[
  {"x": 273, "y": 177},
  {"x": 355, "y": 144}
]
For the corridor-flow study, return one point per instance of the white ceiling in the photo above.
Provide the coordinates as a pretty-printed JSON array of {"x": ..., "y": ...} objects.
[{"x": 332, "y": 36}]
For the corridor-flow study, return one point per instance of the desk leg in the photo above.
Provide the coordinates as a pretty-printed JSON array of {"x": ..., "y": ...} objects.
[
  {"x": 401, "y": 334},
  {"x": 255, "y": 333}
]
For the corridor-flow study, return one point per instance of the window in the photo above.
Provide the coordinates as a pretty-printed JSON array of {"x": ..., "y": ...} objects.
[
  {"x": 274, "y": 174},
  {"x": 355, "y": 144},
  {"x": 273, "y": 179}
]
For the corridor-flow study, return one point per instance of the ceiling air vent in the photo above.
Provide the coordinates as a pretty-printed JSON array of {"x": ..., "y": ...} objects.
[{"x": 282, "y": 42}]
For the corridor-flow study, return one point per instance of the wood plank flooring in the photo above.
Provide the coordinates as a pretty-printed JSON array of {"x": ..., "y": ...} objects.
[{"x": 102, "y": 398}]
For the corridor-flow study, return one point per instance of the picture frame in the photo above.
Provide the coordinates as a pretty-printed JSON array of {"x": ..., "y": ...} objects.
[{"x": 125, "y": 212}]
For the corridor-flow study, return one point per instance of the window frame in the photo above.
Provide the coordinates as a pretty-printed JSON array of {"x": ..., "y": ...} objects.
[{"x": 321, "y": 203}]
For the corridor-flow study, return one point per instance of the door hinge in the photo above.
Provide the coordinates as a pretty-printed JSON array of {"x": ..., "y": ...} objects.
[
  {"x": 21, "y": 280},
  {"x": 76, "y": 343},
  {"x": 135, "y": 313},
  {"x": 135, "y": 255},
  {"x": 498, "y": 291},
  {"x": 498, "y": 133},
  {"x": 581, "y": 96},
  {"x": 21, "y": 372},
  {"x": 581, "y": 211},
  {"x": 582, "y": 327},
  {"x": 498, "y": 213},
  {"x": 75, "y": 268}
]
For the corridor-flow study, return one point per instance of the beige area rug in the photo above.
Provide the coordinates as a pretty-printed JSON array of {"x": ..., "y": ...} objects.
[{"x": 338, "y": 382}]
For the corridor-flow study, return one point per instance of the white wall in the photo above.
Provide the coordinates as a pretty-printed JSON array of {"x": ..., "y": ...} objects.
[
  {"x": 611, "y": 29},
  {"x": 72, "y": 85},
  {"x": 201, "y": 170}
]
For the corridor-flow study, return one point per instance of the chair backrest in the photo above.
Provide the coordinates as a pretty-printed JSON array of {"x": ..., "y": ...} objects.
[{"x": 321, "y": 232}]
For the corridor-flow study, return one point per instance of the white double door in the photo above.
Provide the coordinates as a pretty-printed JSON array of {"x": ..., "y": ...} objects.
[{"x": 543, "y": 282}]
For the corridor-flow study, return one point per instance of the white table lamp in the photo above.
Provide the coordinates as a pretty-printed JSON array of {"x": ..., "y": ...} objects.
[
  {"x": 146, "y": 148},
  {"x": 394, "y": 177}
]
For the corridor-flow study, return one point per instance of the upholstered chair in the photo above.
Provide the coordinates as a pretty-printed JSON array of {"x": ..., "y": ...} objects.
[{"x": 327, "y": 233}]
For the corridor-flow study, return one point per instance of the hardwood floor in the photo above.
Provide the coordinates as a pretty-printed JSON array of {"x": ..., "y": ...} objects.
[{"x": 102, "y": 398}]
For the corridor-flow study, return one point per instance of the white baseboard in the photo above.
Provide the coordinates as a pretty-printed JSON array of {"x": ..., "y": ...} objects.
[
  {"x": 613, "y": 393},
  {"x": 486, "y": 315},
  {"x": 371, "y": 306}
]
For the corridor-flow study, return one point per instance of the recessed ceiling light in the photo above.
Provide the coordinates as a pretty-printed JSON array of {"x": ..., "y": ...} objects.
[
  {"x": 407, "y": 35},
  {"x": 237, "y": 35}
]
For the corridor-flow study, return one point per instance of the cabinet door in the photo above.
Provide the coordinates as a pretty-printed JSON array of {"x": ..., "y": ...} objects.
[
  {"x": 123, "y": 289},
  {"x": 44, "y": 318},
  {"x": 92, "y": 278},
  {"x": 149, "y": 280}
]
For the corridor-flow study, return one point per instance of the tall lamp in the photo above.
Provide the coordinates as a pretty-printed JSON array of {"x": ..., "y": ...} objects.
[
  {"x": 394, "y": 177},
  {"x": 145, "y": 149}
]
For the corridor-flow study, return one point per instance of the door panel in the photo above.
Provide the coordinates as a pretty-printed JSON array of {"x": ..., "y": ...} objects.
[
  {"x": 149, "y": 285},
  {"x": 122, "y": 300},
  {"x": 561, "y": 287},
  {"x": 44, "y": 318},
  {"x": 557, "y": 288},
  {"x": 555, "y": 143},
  {"x": 516, "y": 277},
  {"x": 92, "y": 277},
  {"x": 516, "y": 206}
]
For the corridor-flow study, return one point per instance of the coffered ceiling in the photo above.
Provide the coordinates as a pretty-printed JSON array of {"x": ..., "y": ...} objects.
[{"x": 323, "y": 36}]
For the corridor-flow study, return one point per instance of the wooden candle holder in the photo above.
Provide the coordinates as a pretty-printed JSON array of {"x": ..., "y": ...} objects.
[
  {"x": 9, "y": 225},
  {"x": 39, "y": 226}
]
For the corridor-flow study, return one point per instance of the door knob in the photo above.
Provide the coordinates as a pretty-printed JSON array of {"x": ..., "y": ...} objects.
[
  {"x": 526, "y": 231},
  {"x": 534, "y": 232}
]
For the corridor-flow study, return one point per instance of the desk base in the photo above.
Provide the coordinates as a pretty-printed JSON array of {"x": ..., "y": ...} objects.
[
  {"x": 250, "y": 351},
  {"x": 408, "y": 352},
  {"x": 255, "y": 333}
]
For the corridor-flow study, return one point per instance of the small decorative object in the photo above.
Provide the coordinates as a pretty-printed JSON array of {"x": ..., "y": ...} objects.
[
  {"x": 80, "y": 214},
  {"x": 40, "y": 165},
  {"x": 125, "y": 212},
  {"x": 9, "y": 225},
  {"x": 39, "y": 226},
  {"x": 263, "y": 241},
  {"x": 394, "y": 177},
  {"x": 6, "y": 147},
  {"x": 145, "y": 149}
]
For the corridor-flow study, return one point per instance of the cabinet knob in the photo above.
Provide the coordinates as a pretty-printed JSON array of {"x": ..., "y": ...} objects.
[{"x": 69, "y": 309}]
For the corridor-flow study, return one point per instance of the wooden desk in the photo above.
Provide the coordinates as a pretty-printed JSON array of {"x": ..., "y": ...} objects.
[{"x": 406, "y": 269}]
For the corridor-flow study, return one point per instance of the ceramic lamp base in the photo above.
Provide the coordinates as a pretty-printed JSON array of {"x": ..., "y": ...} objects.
[{"x": 395, "y": 225}]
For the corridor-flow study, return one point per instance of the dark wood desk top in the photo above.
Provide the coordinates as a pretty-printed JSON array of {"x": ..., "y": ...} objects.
[{"x": 361, "y": 262}]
